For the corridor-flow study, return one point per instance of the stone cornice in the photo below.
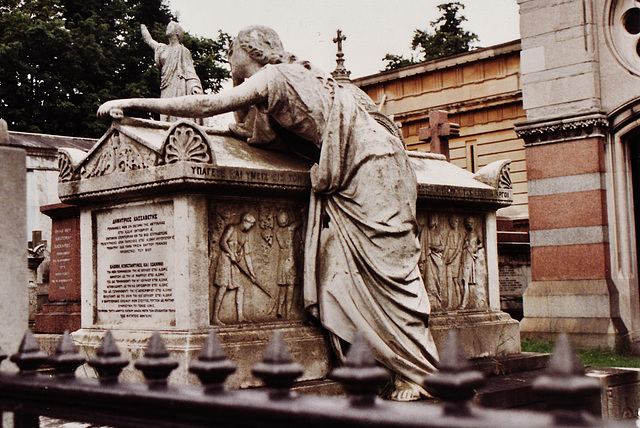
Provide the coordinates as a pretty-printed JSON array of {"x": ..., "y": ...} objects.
[
  {"x": 566, "y": 129},
  {"x": 463, "y": 107}
]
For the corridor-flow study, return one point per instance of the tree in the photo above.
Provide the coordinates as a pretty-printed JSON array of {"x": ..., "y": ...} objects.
[
  {"x": 60, "y": 59},
  {"x": 448, "y": 38}
]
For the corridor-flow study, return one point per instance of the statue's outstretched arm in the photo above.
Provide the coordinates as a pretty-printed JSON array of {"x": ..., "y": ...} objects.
[
  {"x": 252, "y": 91},
  {"x": 146, "y": 36}
]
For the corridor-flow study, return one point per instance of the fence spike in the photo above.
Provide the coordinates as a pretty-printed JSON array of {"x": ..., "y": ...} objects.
[
  {"x": 29, "y": 357},
  {"x": 277, "y": 370},
  {"x": 108, "y": 361},
  {"x": 360, "y": 376},
  {"x": 212, "y": 367},
  {"x": 566, "y": 386},
  {"x": 455, "y": 381},
  {"x": 157, "y": 364},
  {"x": 66, "y": 358}
]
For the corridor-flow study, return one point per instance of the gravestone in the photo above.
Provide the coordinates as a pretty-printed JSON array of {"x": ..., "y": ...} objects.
[
  {"x": 14, "y": 298},
  {"x": 62, "y": 310},
  {"x": 159, "y": 203}
]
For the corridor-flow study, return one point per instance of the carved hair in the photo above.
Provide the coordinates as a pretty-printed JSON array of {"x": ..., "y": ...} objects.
[
  {"x": 175, "y": 28},
  {"x": 262, "y": 44},
  {"x": 248, "y": 217}
]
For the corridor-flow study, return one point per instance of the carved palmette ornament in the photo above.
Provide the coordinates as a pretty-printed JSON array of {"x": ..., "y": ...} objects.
[
  {"x": 118, "y": 155},
  {"x": 186, "y": 142},
  {"x": 504, "y": 182},
  {"x": 496, "y": 174},
  {"x": 64, "y": 167},
  {"x": 68, "y": 161}
]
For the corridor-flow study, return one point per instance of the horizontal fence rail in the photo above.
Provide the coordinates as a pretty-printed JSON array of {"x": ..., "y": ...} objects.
[{"x": 30, "y": 394}]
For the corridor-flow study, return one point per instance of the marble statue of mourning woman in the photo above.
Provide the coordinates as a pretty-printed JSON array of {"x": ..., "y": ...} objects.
[{"x": 361, "y": 251}]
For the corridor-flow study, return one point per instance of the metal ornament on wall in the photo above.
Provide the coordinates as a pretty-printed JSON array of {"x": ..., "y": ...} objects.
[
  {"x": 185, "y": 142},
  {"x": 622, "y": 33}
]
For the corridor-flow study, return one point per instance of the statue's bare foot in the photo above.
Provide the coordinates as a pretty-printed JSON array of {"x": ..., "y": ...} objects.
[
  {"x": 217, "y": 321},
  {"x": 405, "y": 390},
  {"x": 243, "y": 319}
]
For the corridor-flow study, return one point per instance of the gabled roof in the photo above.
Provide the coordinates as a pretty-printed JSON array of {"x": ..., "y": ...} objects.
[{"x": 46, "y": 142}]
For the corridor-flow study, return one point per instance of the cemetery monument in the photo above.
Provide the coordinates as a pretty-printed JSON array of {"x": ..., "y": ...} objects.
[{"x": 188, "y": 227}]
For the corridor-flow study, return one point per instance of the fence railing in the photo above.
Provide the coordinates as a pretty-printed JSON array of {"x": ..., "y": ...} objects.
[{"x": 31, "y": 393}]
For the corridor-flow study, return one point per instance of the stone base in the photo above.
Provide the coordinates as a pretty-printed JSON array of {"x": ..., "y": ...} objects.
[
  {"x": 620, "y": 394},
  {"x": 57, "y": 317},
  {"x": 580, "y": 308},
  {"x": 244, "y": 346},
  {"x": 482, "y": 334},
  {"x": 584, "y": 332},
  {"x": 509, "y": 380}
]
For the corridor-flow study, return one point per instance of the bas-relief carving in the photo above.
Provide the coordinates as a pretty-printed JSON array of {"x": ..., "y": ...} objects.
[
  {"x": 119, "y": 154},
  {"x": 255, "y": 262},
  {"x": 186, "y": 143},
  {"x": 452, "y": 261}
]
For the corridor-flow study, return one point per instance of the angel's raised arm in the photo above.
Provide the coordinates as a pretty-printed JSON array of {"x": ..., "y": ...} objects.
[{"x": 146, "y": 36}]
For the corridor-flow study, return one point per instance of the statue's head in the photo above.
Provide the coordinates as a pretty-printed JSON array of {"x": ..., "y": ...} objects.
[
  {"x": 469, "y": 223},
  {"x": 283, "y": 219},
  {"x": 262, "y": 44},
  {"x": 173, "y": 28},
  {"x": 247, "y": 222}
]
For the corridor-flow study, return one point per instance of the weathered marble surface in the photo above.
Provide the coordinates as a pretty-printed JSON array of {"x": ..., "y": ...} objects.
[{"x": 197, "y": 200}]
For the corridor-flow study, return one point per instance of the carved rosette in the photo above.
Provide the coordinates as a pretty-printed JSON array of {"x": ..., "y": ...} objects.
[
  {"x": 186, "y": 143},
  {"x": 118, "y": 155},
  {"x": 565, "y": 130}
]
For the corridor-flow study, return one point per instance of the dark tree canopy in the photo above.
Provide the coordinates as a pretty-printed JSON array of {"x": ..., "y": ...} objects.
[
  {"x": 60, "y": 59},
  {"x": 448, "y": 38}
]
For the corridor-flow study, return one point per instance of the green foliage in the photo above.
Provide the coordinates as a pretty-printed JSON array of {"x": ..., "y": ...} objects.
[
  {"x": 448, "y": 38},
  {"x": 598, "y": 357},
  {"x": 60, "y": 59}
]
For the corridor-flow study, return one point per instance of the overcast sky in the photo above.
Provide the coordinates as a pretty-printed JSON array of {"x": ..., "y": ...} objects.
[{"x": 373, "y": 27}]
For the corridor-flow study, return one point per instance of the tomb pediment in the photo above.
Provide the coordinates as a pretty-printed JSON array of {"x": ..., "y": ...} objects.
[{"x": 142, "y": 156}]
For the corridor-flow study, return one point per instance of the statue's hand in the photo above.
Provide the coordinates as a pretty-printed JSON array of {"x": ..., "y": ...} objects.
[{"x": 111, "y": 109}]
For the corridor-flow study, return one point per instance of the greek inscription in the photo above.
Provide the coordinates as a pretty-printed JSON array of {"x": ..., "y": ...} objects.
[{"x": 134, "y": 273}]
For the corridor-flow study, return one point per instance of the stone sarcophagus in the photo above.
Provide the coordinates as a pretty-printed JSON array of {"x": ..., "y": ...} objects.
[{"x": 164, "y": 204}]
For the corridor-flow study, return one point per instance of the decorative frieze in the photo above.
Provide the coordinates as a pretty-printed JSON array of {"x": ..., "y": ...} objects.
[
  {"x": 562, "y": 130},
  {"x": 117, "y": 154}
]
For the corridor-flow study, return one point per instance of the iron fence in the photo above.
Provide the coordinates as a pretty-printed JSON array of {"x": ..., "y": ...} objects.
[{"x": 31, "y": 393}]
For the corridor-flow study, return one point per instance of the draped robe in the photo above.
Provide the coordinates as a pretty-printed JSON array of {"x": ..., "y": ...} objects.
[{"x": 361, "y": 250}]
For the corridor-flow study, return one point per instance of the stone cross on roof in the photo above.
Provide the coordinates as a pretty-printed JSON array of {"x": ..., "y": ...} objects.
[
  {"x": 340, "y": 74},
  {"x": 438, "y": 132}
]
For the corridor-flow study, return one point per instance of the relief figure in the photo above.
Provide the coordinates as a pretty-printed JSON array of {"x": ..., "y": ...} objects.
[
  {"x": 433, "y": 269},
  {"x": 472, "y": 266},
  {"x": 451, "y": 258},
  {"x": 287, "y": 275},
  {"x": 233, "y": 264}
]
